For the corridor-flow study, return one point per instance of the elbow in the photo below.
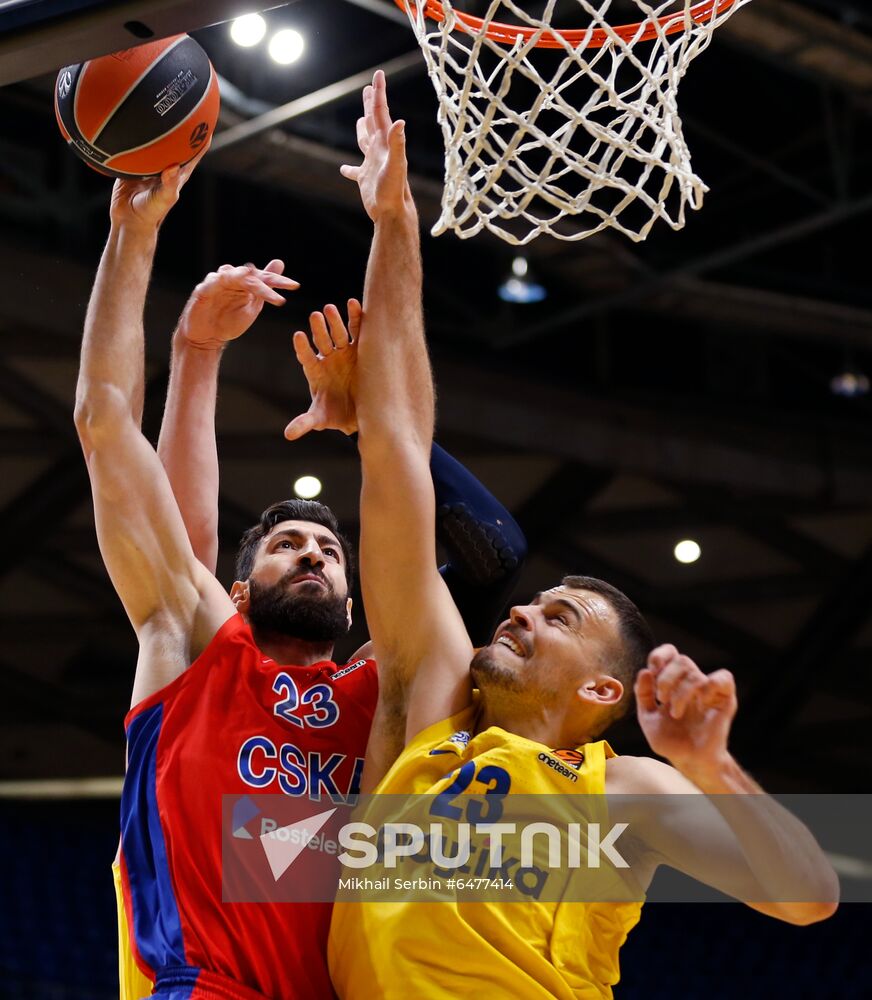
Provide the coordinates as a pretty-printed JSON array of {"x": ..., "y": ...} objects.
[
  {"x": 822, "y": 891},
  {"x": 804, "y": 914},
  {"x": 102, "y": 411},
  {"x": 825, "y": 910}
]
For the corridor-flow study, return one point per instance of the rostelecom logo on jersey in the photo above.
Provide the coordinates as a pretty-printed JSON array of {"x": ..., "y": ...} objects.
[{"x": 282, "y": 845}]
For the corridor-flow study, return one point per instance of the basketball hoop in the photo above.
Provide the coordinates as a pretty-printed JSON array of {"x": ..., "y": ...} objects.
[{"x": 573, "y": 140}]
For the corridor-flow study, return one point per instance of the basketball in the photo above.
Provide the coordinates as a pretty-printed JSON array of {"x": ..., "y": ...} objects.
[{"x": 136, "y": 112}]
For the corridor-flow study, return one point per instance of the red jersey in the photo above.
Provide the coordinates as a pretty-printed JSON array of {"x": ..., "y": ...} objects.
[{"x": 234, "y": 723}]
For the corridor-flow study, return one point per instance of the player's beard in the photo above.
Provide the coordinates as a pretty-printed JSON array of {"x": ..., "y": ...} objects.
[
  {"x": 488, "y": 672},
  {"x": 313, "y": 617}
]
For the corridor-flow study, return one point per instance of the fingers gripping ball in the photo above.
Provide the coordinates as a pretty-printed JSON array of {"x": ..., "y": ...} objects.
[{"x": 135, "y": 113}]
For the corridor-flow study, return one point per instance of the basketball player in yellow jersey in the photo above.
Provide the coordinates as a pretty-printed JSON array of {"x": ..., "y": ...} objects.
[{"x": 556, "y": 674}]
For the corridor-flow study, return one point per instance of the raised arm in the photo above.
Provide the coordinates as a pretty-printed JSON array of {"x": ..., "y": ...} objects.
[
  {"x": 735, "y": 837},
  {"x": 221, "y": 308},
  {"x": 419, "y": 639},
  {"x": 174, "y": 605}
]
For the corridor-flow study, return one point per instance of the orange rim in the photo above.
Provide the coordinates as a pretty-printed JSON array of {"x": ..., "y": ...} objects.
[{"x": 701, "y": 13}]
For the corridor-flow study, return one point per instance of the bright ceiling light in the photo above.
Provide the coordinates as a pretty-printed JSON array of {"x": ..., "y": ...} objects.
[
  {"x": 520, "y": 286},
  {"x": 248, "y": 30},
  {"x": 520, "y": 291},
  {"x": 850, "y": 383},
  {"x": 307, "y": 487},
  {"x": 687, "y": 551},
  {"x": 286, "y": 46}
]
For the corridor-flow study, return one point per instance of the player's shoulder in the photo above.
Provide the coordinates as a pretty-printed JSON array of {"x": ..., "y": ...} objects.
[
  {"x": 627, "y": 775},
  {"x": 364, "y": 653}
]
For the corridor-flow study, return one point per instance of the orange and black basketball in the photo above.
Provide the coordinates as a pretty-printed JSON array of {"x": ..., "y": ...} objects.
[{"x": 136, "y": 112}]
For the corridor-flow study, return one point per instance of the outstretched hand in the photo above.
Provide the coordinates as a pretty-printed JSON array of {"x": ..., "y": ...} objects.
[
  {"x": 382, "y": 177},
  {"x": 330, "y": 372},
  {"x": 227, "y": 301},
  {"x": 144, "y": 203},
  {"x": 685, "y": 714}
]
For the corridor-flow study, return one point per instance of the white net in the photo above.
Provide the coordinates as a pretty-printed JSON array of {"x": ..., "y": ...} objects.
[{"x": 567, "y": 140}]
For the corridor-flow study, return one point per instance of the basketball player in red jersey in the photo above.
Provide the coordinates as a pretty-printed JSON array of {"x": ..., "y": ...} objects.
[{"x": 228, "y": 698}]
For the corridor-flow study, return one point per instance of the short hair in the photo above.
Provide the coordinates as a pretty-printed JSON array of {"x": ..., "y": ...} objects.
[
  {"x": 637, "y": 639},
  {"x": 291, "y": 510}
]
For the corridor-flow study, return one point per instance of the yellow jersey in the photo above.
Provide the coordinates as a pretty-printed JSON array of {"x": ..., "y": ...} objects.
[
  {"x": 528, "y": 950},
  {"x": 133, "y": 984}
]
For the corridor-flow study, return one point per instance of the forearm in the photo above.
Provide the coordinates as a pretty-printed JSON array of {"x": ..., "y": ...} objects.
[
  {"x": 187, "y": 446},
  {"x": 394, "y": 397},
  {"x": 395, "y": 388},
  {"x": 781, "y": 852},
  {"x": 111, "y": 374}
]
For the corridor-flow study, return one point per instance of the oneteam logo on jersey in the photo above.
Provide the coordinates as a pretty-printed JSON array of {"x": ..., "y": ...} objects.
[
  {"x": 557, "y": 766},
  {"x": 347, "y": 670}
]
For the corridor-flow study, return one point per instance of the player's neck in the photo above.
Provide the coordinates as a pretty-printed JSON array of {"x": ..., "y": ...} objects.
[
  {"x": 548, "y": 725},
  {"x": 286, "y": 649},
  {"x": 535, "y": 724}
]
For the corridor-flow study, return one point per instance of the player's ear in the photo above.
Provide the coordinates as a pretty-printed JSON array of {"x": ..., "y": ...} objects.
[
  {"x": 601, "y": 691},
  {"x": 240, "y": 594},
  {"x": 348, "y": 612}
]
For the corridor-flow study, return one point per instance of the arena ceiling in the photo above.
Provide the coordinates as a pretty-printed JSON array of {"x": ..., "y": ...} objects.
[{"x": 675, "y": 388}]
